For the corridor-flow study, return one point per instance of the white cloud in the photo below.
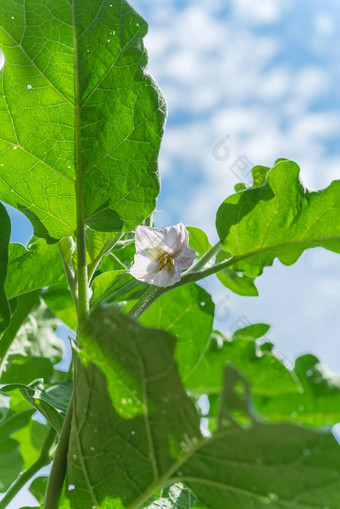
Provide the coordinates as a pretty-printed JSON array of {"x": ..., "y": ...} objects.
[
  {"x": 261, "y": 11},
  {"x": 324, "y": 23}
]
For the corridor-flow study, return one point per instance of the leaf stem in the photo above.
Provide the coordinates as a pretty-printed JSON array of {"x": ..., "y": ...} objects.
[
  {"x": 83, "y": 301},
  {"x": 59, "y": 465},
  {"x": 69, "y": 275},
  {"x": 43, "y": 460},
  {"x": 150, "y": 295},
  {"x": 205, "y": 258}
]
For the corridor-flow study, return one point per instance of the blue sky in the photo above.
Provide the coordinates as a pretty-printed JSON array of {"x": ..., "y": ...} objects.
[{"x": 267, "y": 74}]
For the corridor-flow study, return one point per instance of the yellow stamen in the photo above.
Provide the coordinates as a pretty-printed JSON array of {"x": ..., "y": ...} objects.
[{"x": 166, "y": 260}]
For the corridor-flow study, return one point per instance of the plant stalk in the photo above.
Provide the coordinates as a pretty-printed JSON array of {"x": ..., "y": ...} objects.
[
  {"x": 151, "y": 294},
  {"x": 59, "y": 466},
  {"x": 200, "y": 264},
  {"x": 58, "y": 471}
]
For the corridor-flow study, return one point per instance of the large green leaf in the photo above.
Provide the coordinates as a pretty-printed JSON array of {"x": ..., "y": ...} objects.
[
  {"x": 278, "y": 465},
  {"x": 5, "y": 232},
  {"x": 188, "y": 313},
  {"x": 132, "y": 395},
  {"x": 281, "y": 218},
  {"x": 77, "y": 111},
  {"x": 308, "y": 394}
]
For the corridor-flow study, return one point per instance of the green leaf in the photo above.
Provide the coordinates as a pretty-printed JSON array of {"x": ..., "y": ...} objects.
[
  {"x": 267, "y": 375},
  {"x": 33, "y": 268},
  {"x": 133, "y": 395},
  {"x": 120, "y": 258},
  {"x": 318, "y": 402},
  {"x": 5, "y": 232},
  {"x": 188, "y": 313},
  {"x": 30, "y": 439},
  {"x": 15, "y": 421},
  {"x": 59, "y": 300},
  {"x": 38, "y": 488},
  {"x": 104, "y": 284},
  {"x": 15, "y": 425},
  {"x": 35, "y": 349},
  {"x": 98, "y": 244},
  {"x": 11, "y": 463},
  {"x": 116, "y": 286},
  {"x": 308, "y": 394},
  {"x": 279, "y": 219},
  {"x": 259, "y": 174},
  {"x": 51, "y": 401},
  {"x": 236, "y": 280},
  {"x": 198, "y": 240},
  {"x": 25, "y": 304},
  {"x": 279, "y": 465},
  {"x": 82, "y": 110}
]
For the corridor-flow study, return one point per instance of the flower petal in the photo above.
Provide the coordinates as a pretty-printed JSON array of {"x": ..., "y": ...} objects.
[
  {"x": 185, "y": 258},
  {"x": 166, "y": 277},
  {"x": 148, "y": 237},
  {"x": 176, "y": 238},
  {"x": 143, "y": 268}
]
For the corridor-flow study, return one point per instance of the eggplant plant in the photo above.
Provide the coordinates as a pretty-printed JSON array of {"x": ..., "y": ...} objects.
[{"x": 81, "y": 122}]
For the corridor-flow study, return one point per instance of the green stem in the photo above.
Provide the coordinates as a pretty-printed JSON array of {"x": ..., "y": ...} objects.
[
  {"x": 205, "y": 258},
  {"x": 151, "y": 294},
  {"x": 69, "y": 276},
  {"x": 83, "y": 301},
  {"x": 59, "y": 466},
  {"x": 43, "y": 460}
]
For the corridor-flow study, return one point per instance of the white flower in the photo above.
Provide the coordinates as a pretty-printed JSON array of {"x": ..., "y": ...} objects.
[{"x": 161, "y": 254}]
